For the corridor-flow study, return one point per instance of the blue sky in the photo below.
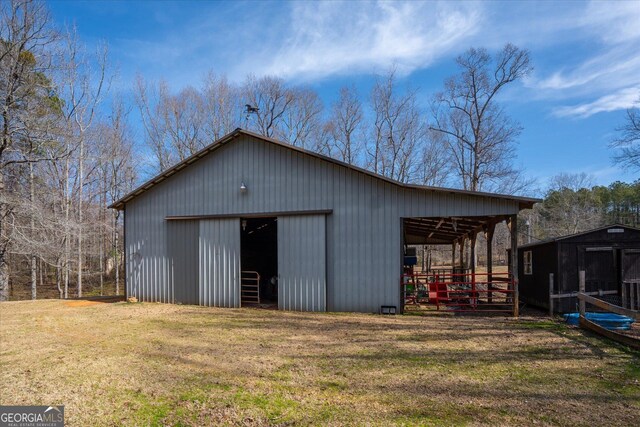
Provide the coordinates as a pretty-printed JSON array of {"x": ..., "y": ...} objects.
[{"x": 586, "y": 56}]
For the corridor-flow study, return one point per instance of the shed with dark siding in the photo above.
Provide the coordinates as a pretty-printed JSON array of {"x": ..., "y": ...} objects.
[{"x": 609, "y": 256}]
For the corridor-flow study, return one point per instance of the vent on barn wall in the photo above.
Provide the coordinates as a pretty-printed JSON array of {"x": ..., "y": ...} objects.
[{"x": 388, "y": 309}]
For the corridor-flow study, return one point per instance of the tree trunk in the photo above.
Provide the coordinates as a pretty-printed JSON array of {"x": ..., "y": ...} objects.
[
  {"x": 34, "y": 260},
  {"x": 101, "y": 244},
  {"x": 115, "y": 252},
  {"x": 4, "y": 279},
  {"x": 67, "y": 237},
  {"x": 4, "y": 266},
  {"x": 59, "y": 279},
  {"x": 41, "y": 271},
  {"x": 80, "y": 188}
]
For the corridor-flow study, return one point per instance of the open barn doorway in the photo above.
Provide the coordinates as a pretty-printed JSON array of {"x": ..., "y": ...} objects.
[{"x": 259, "y": 262}]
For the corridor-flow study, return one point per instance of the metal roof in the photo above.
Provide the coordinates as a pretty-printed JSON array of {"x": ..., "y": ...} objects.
[
  {"x": 569, "y": 236},
  {"x": 446, "y": 230},
  {"x": 524, "y": 202}
]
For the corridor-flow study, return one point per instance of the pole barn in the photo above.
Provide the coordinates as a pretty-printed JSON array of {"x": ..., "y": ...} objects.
[{"x": 250, "y": 220}]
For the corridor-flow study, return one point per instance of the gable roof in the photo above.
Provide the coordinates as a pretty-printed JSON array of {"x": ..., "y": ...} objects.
[
  {"x": 524, "y": 202},
  {"x": 582, "y": 233}
]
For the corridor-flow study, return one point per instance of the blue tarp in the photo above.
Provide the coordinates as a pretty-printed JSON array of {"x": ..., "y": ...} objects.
[{"x": 613, "y": 322}]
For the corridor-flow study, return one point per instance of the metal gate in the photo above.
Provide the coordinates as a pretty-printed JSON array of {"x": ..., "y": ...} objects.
[
  {"x": 302, "y": 271},
  {"x": 459, "y": 292},
  {"x": 219, "y": 262}
]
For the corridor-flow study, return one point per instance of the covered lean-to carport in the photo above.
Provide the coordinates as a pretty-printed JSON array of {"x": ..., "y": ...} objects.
[
  {"x": 254, "y": 221},
  {"x": 459, "y": 287}
]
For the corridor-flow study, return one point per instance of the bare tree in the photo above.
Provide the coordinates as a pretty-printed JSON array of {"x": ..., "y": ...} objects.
[
  {"x": 628, "y": 140},
  {"x": 84, "y": 89},
  {"x": 345, "y": 127},
  {"x": 273, "y": 99},
  {"x": 435, "y": 161},
  {"x": 398, "y": 131},
  {"x": 183, "y": 117},
  {"x": 479, "y": 134},
  {"x": 25, "y": 37},
  {"x": 117, "y": 168},
  {"x": 301, "y": 120},
  {"x": 175, "y": 125},
  {"x": 222, "y": 105},
  {"x": 147, "y": 100},
  {"x": 58, "y": 168}
]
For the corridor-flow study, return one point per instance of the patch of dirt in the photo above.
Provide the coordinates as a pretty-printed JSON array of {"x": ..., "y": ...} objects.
[{"x": 81, "y": 303}]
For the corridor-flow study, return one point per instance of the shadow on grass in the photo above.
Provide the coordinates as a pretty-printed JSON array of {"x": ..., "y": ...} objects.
[{"x": 389, "y": 360}]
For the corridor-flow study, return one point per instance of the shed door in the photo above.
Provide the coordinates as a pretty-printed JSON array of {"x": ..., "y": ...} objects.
[
  {"x": 600, "y": 269},
  {"x": 302, "y": 269},
  {"x": 219, "y": 262},
  {"x": 631, "y": 265}
]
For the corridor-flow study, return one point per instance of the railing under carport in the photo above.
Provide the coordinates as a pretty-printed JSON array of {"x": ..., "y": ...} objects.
[
  {"x": 461, "y": 292},
  {"x": 469, "y": 285}
]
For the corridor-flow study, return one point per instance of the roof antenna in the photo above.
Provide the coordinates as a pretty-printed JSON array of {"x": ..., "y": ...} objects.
[{"x": 249, "y": 109}]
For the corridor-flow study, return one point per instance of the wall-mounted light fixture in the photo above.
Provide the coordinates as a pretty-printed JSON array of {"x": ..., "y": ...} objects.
[
  {"x": 243, "y": 188},
  {"x": 244, "y": 225}
]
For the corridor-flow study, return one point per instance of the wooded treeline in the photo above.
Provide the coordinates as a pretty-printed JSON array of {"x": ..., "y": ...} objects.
[
  {"x": 572, "y": 205},
  {"x": 65, "y": 154},
  {"x": 71, "y": 144},
  {"x": 463, "y": 139}
]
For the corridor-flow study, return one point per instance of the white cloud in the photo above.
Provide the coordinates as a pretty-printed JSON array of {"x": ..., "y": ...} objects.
[
  {"x": 612, "y": 21},
  {"x": 622, "y": 99},
  {"x": 323, "y": 39},
  {"x": 613, "y": 69},
  {"x": 607, "y": 75},
  {"x": 305, "y": 41},
  {"x": 328, "y": 38}
]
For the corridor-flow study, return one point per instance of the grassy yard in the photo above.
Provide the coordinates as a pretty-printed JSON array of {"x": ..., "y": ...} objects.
[{"x": 157, "y": 364}]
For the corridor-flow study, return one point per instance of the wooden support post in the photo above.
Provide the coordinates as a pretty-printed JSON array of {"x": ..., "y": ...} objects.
[
  {"x": 513, "y": 228},
  {"x": 488, "y": 234},
  {"x": 453, "y": 257},
  {"x": 462, "y": 242},
  {"x": 472, "y": 262},
  {"x": 581, "y": 289},
  {"x": 550, "y": 294},
  {"x": 625, "y": 303}
]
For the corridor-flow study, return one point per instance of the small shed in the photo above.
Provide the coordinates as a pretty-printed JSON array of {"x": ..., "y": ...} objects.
[{"x": 610, "y": 256}]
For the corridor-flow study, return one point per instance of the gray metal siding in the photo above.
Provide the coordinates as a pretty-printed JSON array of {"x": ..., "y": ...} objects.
[
  {"x": 302, "y": 271},
  {"x": 219, "y": 260},
  {"x": 363, "y": 232},
  {"x": 182, "y": 247},
  {"x": 149, "y": 269}
]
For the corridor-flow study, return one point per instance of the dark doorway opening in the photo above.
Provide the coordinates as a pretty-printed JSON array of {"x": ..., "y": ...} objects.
[{"x": 259, "y": 261}]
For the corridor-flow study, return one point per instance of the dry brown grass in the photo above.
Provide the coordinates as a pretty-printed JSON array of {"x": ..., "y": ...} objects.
[{"x": 156, "y": 364}]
